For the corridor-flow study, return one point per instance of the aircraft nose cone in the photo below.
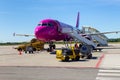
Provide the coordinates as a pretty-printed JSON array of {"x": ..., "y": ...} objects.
[
  {"x": 40, "y": 33},
  {"x": 37, "y": 31}
]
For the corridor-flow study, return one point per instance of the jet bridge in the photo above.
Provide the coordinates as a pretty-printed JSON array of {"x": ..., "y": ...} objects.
[{"x": 101, "y": 38}]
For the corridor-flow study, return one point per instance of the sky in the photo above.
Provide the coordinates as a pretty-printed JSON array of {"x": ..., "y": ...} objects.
[{"x": 22, "y": 16}]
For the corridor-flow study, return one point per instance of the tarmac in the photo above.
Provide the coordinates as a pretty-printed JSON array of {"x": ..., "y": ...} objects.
[
  {"x": 42, "y": 65},
  {"x": 11, "y": 57}
]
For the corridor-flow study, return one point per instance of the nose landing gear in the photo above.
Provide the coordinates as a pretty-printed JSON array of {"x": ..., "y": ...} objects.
[{"x": 51, "y": 47}]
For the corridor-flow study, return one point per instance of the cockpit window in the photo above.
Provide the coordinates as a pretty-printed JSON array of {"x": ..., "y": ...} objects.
[
  {"x": 39, "y": 24},
  {"x": 43, "y": 24},
  {"x": 50, "y": 24},
  {"x": 46, "y": 24}
]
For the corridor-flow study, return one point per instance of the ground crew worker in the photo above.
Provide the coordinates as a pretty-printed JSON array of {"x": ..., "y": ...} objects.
[{"x": 76, "y": 46}]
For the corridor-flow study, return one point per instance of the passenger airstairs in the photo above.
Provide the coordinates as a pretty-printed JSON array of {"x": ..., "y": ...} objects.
[
  {"x": 82, "y": 39},
  {"x": 88, "y": 45},
  {"x": 101, "y": 39}
]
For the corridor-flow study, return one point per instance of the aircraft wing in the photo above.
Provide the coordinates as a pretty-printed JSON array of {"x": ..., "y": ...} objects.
[
  {"x": 26, "y": 35},
  {"x": 104, "y": 33},
  {"x": 108, "y": 47}
]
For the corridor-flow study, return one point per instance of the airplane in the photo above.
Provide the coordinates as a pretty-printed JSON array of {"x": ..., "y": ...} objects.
[{"x": 53, "y": 30}]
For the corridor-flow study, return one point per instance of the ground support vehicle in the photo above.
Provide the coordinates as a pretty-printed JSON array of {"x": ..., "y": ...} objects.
[
  {"x": 32, "y": 46},
  {"x": 29, "y": 49},
  {"x": 67, "y": 54},
  {"x": 72, "y": 53}
]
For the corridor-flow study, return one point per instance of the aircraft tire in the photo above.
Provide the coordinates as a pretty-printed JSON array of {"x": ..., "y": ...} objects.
[
  {"x": 77, "y": 58},
  {"x": 66, "y": 58},
  {"x": 89, "y": 56},
  {"x": 25, "y": 51},
  {"x": 53, "y": 52},
  {"x": 100, "y": 50},
  {"x": 54, "y": 46}
]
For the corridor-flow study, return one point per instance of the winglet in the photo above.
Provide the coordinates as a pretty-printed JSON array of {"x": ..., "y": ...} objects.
[{"x": 77, "y": 22}]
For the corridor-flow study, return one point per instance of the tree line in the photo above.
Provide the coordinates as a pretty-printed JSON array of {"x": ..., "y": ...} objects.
[
  {"x": 114, "y": 40},
  {"x": 13, "y": 43},
  {"x": 18, "y": 43}
]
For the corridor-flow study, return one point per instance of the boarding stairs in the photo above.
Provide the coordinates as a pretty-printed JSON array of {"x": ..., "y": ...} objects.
[
  {"x": 101, "y": 38},
  {"x": 82, "y": 39}
]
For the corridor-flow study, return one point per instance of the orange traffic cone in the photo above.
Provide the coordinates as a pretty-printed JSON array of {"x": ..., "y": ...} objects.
[{"x": 20, "y": 52}]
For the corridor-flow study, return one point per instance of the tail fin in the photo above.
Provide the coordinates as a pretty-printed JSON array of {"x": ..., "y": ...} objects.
[{"x": 77, "y": 23}]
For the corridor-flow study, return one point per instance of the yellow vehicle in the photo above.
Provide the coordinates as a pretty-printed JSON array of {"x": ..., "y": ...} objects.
[
  {"x": 67, "y": 54},
  {"x": 34, "y": 45}
]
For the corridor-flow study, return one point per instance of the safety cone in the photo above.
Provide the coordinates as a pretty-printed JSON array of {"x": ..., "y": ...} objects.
[{"x": 20, "y": 52}]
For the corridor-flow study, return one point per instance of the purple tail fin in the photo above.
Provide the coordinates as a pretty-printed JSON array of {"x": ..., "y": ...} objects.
[{"x": 77, "y": 23}]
